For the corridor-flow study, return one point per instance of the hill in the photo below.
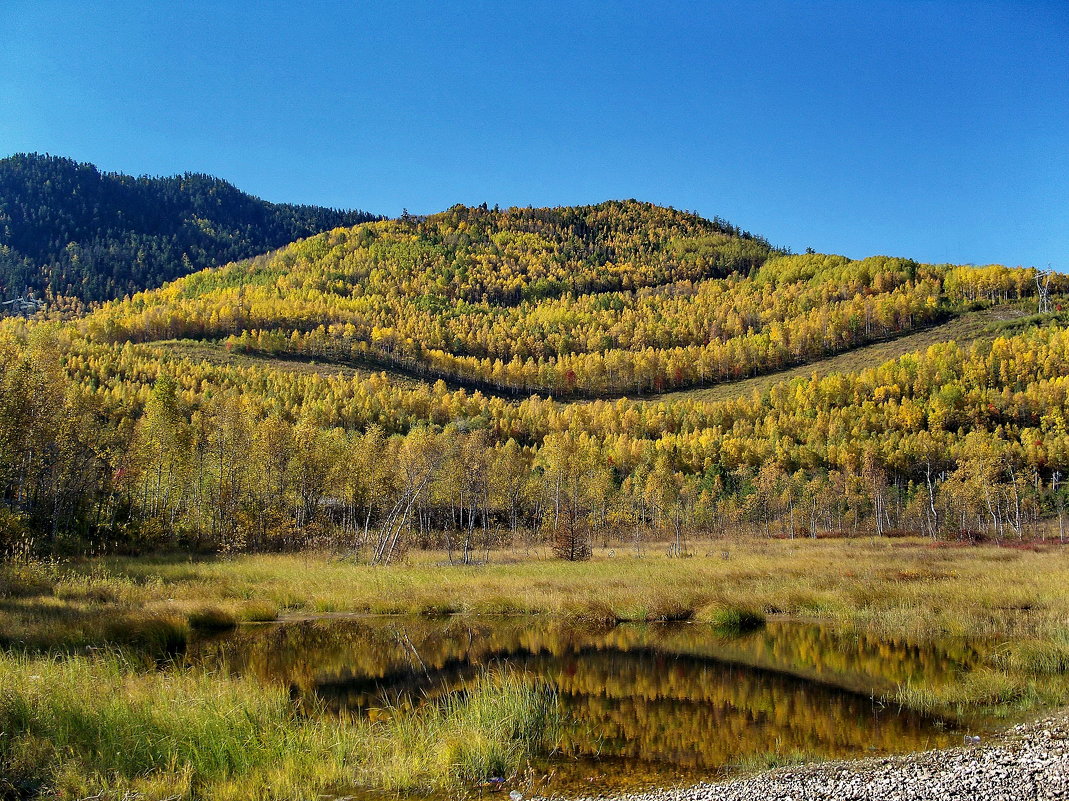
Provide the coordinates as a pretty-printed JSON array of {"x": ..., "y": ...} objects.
[
  {"x": 69, "y": 230},
  {"x": 618, "y": 299},
  {"x": 857, "y": 395}
]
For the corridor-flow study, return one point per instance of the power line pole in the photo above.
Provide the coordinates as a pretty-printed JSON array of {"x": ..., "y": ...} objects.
[{"x": 1043, "y": 279}]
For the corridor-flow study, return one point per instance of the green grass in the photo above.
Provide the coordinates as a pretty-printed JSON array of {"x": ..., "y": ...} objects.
[
  {"x": 998, "y": 693},
  {"x": 78, "y": 726},
  {"x": 1036, "y": 656},
  {"x": 101, "y": 726},
  {"x": 490, "y": 731},
  {"x": 1021, "y": 674}
]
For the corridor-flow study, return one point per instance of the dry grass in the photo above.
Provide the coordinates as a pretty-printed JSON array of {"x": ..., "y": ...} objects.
[{"x": 895, "y": 585}]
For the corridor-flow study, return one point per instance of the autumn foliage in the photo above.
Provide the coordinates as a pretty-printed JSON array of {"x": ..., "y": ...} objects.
[{"x": 499, "y": 321}]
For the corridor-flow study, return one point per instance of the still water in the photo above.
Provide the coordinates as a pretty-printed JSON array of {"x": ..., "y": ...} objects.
[{"x": 652, "y": 704}]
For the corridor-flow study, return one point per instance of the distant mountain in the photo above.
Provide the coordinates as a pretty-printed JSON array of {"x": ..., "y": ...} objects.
[{"x": 68, "y": 229}]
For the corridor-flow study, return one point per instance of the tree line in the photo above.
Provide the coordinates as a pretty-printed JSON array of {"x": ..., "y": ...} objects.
[{"x": 121, "y": 446}]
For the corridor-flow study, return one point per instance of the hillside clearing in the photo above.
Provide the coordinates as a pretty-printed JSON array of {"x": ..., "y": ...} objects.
[{"x": 217, "y": 353}]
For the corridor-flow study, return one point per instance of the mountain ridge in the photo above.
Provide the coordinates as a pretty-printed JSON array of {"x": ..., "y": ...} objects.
[{"x": 68, "y": 229}]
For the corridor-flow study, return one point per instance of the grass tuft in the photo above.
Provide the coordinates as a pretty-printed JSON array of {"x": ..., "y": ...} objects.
[
  {"x": 734, "y": 620},
  {"x": 257, "y": 612},
  {"x": 592, "y": 610},
  {"x": 1034, "y": 657},
  {"x": 770, "y": 760},
  {"x": 982, "y": 687},
  {"x": 439, "y": 609},
  {"x": 492, "y": 729},
  {"x": 22, "y": 579},
  {"x": 157, "y": 634},
  {"x": 212, "y": 618}
]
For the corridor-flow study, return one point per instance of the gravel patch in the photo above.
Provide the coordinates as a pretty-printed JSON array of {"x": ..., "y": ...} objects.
[{"x": 1027, "y": 763}]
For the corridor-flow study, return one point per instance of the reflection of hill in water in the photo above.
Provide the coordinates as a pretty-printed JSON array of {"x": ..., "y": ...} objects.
[
  {"x": 677, "y": 695},
  {"x": 704, "y": 714}
]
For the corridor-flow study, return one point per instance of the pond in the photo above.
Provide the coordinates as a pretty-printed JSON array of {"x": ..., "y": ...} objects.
[{"x": 650, "y": 704}]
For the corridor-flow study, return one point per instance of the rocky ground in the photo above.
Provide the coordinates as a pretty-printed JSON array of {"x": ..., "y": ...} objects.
[{"x": 1027, "y": 763}]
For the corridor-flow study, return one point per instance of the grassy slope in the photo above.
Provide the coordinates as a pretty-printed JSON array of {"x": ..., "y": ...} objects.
[{"x": 216, "y": 353}]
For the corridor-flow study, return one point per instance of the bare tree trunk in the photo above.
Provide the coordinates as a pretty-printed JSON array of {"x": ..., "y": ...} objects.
[
  {"x": 1016, "y": 504},
  {"x": 933, "y": 511}
]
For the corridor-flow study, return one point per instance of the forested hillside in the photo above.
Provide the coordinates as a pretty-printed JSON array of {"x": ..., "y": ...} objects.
[
  {"x": 108, "y": 440},
  {"x": 622, "y": 298},
  {"x": 71, "y": 231}
]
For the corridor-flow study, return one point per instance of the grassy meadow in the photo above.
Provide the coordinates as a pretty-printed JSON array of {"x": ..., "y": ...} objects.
[
  {"x": 86, "y": 709},
  {"x": 905, "y": 585}
]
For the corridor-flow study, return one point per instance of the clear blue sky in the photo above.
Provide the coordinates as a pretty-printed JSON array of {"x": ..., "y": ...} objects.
[{"x": 935, "y": 130}]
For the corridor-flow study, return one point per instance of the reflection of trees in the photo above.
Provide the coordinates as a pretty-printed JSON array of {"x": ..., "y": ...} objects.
[
  {"x": 700, "y": 713},
  {"x": 856, "y": 660},
  {"x": 336, "y": 651},
  {"x": 678, "y": 695}
]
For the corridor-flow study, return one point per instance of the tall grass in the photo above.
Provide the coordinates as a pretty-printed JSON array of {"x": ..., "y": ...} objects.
[
  {"x": 81, "y": 726},
  {"x": 78, "y": 726},
  {"x": 1021, "y": 674},
  {"x": 1037, "y": 657},
  {"x": 996, "y": 691},
  {"x": 489, "y": 731},
  {"x": 45, "y": 606},
  {"x": 896, "y": 585}
]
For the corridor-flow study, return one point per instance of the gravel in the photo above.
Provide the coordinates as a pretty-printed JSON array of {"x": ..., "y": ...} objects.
[{"x": 1027, "y": 763}]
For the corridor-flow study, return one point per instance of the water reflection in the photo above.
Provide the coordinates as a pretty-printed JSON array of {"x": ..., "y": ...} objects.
[{"x": 653, "y": 704}]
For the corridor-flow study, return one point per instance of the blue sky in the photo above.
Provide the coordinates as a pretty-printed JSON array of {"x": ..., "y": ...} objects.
[{"x": 934, "y": 130}]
